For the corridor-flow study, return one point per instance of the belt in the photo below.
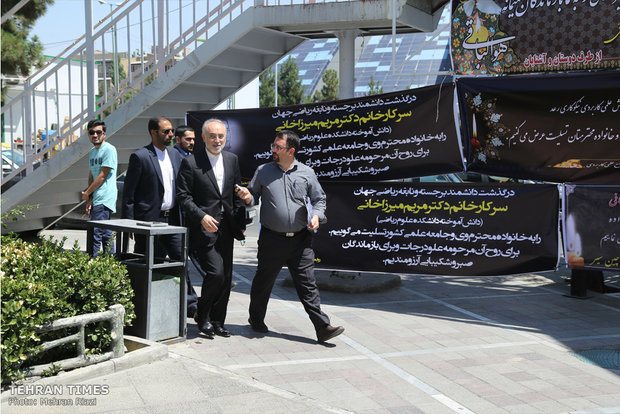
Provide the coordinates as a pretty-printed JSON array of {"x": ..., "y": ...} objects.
[
  {"x": 279, "y": 233},
  {"x": 164, "y": 213}
]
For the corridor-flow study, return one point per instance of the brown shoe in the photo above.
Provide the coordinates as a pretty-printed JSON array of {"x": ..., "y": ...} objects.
[{"x": 328, "y": 332}]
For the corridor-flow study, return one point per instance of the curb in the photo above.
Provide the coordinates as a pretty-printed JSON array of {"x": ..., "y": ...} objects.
[{"x": 140, "y": 351}]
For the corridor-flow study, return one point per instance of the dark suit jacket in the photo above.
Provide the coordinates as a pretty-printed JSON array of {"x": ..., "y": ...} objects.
[
  {"x": 198, "y": 194},
  {"x": 143, "y": 190}
]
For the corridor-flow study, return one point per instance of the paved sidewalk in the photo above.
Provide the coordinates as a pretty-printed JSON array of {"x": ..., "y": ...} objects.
[{"x": 503, "y": 344}]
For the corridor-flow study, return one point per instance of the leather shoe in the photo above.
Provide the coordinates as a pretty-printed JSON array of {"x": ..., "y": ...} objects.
[
  {"x": 221, "y": 331},
  {"x": 258, "y": 327},
  {"x": 206, "y": 328},
  {"x": 328, "y": 332}
]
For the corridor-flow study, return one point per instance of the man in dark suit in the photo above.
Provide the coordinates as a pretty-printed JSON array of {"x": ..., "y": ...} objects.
[
  {"x": 184, "y": 143},
  {"x": 216, "y": 216},
  {"x": 149, "y": 188}
]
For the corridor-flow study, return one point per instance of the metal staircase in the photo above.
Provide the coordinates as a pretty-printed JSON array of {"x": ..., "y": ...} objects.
[{"x": 217, "y": 48}]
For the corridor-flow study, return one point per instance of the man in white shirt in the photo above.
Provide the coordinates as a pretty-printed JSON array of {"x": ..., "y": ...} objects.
[
  {"x": 149, "y": 188},
  {"x": 215, "y": 216}
]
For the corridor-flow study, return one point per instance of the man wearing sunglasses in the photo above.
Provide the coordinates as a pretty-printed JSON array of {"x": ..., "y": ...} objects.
[
  {"x": 292, "y": 207},
  {"x": 100, "y": 196},
  {"x": 149, "y": 189}
]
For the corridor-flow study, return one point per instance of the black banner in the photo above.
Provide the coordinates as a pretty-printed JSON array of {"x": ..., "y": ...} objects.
[
  {"x": 557, "y": 128},
  {"x": 390, "y": 136},
  {"x": 591, "y": 217},
  {"x": 441, "y": 229},
  {"x": 501, "y": 36}
]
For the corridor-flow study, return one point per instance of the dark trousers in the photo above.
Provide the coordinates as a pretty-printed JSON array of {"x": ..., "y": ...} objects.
[
  {"x": 274, "y": 251},
  {"x": 101, "y": 236},
  {"x": 215, "y": 263},
  {"x": 169, "y": 244}
]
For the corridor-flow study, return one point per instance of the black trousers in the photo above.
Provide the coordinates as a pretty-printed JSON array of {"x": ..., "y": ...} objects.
[
  {"x": 169, "y": 244},
  {"x": 216, "y": 264},
  {"x": 275, "y": 251}
]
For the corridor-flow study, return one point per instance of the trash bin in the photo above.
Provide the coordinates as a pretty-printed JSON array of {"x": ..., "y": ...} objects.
[{"x": 158, "y": 285}]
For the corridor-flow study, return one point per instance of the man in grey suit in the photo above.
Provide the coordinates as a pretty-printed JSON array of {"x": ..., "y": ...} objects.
[{"x": 215, "y": 216}]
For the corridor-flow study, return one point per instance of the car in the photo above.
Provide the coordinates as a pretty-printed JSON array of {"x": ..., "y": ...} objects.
[{"x": 11, "y": 160}]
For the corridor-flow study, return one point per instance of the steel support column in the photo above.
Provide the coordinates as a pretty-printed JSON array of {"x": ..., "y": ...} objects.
[{"x": 347, "y": 62}]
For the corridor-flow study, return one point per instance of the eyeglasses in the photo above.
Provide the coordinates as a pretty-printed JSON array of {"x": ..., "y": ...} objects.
[
  {"x": 95, "y": 131},
  {"x": 168, "y": 131},
  {"x": 275, "y": 147}
]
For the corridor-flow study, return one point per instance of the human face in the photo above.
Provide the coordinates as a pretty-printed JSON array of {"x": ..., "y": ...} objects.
[
  {"x": 162, "y": 137},
  {"x": 214, "y": 136},
  {"x": 186, "y": 142},
  {"x": 280, "y": 152},
  {"x": 96, "y": 135}
]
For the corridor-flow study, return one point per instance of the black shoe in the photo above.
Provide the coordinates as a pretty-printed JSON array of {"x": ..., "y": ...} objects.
[
  {"x": 258, "y": 327},
  {"x": 328, "y": 332},
  {"x": 221, "y": 331},
  {"x": 206, "y": 328}
]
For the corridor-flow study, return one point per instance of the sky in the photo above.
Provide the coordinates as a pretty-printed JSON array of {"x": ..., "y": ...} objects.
[{"x": 63, "y": 23}]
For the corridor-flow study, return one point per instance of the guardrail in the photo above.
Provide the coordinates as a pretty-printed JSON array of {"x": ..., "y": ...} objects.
[
  {"x": 107, "y": 66},
  {"x": 115, "y": 316}
]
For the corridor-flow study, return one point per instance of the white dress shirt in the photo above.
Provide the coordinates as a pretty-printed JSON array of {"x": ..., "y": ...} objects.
[
  {"x": 167, "y": 174},
  {"x": 217, "y": 163}
]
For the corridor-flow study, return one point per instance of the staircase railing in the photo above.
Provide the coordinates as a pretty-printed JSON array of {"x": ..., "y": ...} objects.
[
  {"x": 106, "y": 67},
  {"x": 50, "y": 112}
]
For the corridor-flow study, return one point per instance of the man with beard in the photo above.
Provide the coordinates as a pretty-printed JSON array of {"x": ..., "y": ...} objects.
[
  {"x": 149, "y": 188},
  {"x": 285, "y": 186},
  {"x": 184, "y": 140}
]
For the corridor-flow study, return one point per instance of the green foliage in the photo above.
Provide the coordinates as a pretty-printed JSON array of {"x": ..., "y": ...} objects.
[
  {"x": 16, "y": 213},
  {"x": 42, "y": 282},
  {"x": 374, "y": 88},
  {"x": 19, "y": 53},
  {"x": 267, "y": 89},
  {"x": 330, "y": 89},
  {"x": 290, "y": 89},
  {"x": 55, "y": 369},
  {"x": 111, "y": 85}
]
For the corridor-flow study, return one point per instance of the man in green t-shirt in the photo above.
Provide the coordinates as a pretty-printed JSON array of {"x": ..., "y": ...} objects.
[{"x": 100, "y": 196}]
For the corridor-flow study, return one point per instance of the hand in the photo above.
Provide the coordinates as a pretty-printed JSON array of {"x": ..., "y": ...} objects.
[
  {"x": 85, "y": 196},
  {"x": 209, "y": 223},
  {"x": 314, "y": 223},
  {"x": 89, "y": 206},
  {"x": 244, "y": 194}
]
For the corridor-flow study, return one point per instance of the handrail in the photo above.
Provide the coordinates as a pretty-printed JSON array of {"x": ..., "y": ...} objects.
[
  {"x": 32, "y": 113},
  {"x": 149, "y": 64}
]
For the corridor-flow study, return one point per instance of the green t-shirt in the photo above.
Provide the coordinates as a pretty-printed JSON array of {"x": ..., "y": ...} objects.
[{"x": 104, "y": 156}]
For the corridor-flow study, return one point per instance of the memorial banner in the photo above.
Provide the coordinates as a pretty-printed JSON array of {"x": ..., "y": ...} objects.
[
  {"x": 516, "y": 36},
  {"x": 441, "y": 229},
  {"x": 591, "y": 219},
  {"x": 559, "y": 128},
  {"x": 397, "y": 135}
]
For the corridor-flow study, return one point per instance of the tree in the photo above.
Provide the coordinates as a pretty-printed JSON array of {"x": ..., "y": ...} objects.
[
  {"x": 290, "y": 89},
  {"x": 267, "y": 89},
  {"x": 330, "y": 89},
  {"x": 122, "y": 75},
  {"x": 374, "y": 88},
  {"x": 19, "y": 53}
]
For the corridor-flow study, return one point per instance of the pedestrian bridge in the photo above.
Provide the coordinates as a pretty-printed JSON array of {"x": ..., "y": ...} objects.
[{"x": 205, "y": 51}]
